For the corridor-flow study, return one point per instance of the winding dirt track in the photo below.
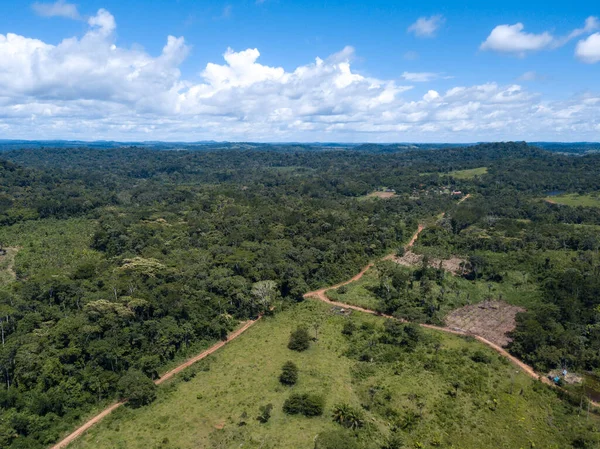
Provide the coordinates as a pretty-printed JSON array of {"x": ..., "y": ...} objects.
[
  {"x": 82, "y": 429},
  {"x": 322, "y": 296}
]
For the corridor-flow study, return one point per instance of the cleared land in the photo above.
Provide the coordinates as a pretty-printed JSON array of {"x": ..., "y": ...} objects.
[
  {"x": 454, "y": 265},
  {"x": 574, "y": 200},
  {"x": 490, "y": 319},
  {"x": 469, "y": 173},
  {"x": 383, "y": 195},
  {"x": 7, "y": 263},
  {"x": 218, "y": 407}
]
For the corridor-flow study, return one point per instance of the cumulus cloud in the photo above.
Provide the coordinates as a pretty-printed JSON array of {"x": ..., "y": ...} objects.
[
  {"x": 588, "y": 50},
  {"x": 427, "y": 26},
  {"x": 89, "y": 87},
  {"x": 60, "y": 8},
  {"x": 513, "y": 39}
]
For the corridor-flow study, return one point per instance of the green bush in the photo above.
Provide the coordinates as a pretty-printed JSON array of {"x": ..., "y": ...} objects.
[
  {"x": 299, "y": 340},
  {"x": 304, "y": 404},
  {"x": 137, "y": 388},
  {"x": 289, "y": 374},
  {"x": 349, "y": 328},
  {"x": 480, "y": 356},
  {"x": 348, "y": 416},
  {"x": 265, "y": 413}
]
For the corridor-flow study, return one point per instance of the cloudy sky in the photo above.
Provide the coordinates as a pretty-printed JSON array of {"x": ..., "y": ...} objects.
[{"x": 283, "y": 70}]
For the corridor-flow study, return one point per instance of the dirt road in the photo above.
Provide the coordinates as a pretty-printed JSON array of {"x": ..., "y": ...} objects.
[
  {"x": 322, "y": 296},
  {"x": 83, "y": 428}
]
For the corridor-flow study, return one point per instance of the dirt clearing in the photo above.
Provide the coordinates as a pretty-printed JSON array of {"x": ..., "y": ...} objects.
[
  {"x": 7, "y": 264},
  {"x": 383, "y": 195},
  {"x": 489, "y": 319},
  {"x": 454, "y": 265}
]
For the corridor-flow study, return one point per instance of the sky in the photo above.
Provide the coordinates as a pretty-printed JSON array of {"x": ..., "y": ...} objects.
[{"x": 282, "y": 70}]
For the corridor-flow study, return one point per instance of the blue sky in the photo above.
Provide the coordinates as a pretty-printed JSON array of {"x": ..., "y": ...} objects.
[{"x": 389, "y": 70}]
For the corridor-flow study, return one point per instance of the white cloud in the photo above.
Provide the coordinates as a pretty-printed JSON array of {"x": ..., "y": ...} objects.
[
  {"x": 591, "y": 24},
  {"x": 513, "y": 39},
  {"x": 60, "y": 8},
  {"x": 427, "y": 26},
  {"x": 588, "y": 50},
  {"x": 419, "y": 77},
  {"x": 89, "y": 87}
]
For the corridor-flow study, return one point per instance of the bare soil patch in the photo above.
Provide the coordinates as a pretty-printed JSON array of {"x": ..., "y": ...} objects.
[
  {"x": 454, "y": 265},
  {"x": 383, "y": 195},
  {"x": 7, "y": 264},
  {"x": 490, "y": 319}
]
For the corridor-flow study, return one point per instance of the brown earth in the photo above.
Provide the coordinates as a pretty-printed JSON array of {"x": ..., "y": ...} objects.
[
  {"x": 492, "y": 320},
  {"x": 383, "y": 195},
  {"x": 7, "y": 264},
  {"x": 454, "y": 265}
]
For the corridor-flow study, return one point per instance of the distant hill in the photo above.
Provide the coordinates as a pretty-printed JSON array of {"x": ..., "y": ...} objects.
[{"x": 210, "y": 145}]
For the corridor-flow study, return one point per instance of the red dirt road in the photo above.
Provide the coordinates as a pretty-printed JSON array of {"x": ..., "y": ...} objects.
[
  {"x": 322, "y": 296},
  {"x": 82, "y": 429}
]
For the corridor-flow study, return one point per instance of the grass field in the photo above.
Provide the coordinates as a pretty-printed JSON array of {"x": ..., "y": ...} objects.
[
  {"x": 574, "y": 199},
  {"x": 469, "y": 173},
  {"x": 494, "y": 406}
]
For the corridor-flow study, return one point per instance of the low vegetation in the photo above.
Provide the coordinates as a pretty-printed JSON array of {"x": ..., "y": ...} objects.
[
  {"x": 575, "y": 199},
  {"x": 468, "y": 173},
  {"x": 382, "y": 385}
]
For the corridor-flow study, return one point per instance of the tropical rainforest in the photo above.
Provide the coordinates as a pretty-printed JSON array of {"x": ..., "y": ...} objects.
[{"x": 116, "y": 263}]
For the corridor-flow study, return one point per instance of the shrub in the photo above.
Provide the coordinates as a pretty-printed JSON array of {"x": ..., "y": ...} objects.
[
  {"x": 480, "y": 356},
  {"x": 338, "y": 439},
  {"x": 299, "y": 340},
  {"x": 348, "y": 416},
  {"x": 137, "y": 388},
  {"x": 289, "y": 374},
  {"x": 349, "y": 328},
  {"x": 304, "y": 404},
  {"x": 342, "y": 290},
  {"x": 265, "y": 413},
  {"x": 188, "y": 375},
  {"x": 395, "y": 442}
]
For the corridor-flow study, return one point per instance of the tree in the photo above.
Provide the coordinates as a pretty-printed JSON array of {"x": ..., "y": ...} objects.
[
  {"x": 348, "y": 416},
  {"x": 299, "y": 340},
  {"x": 264, "y": 292},
  {"x": 136, "y": 388},
  {"x": 289, "y": 374},
  {"x": 304, "y": 404}
]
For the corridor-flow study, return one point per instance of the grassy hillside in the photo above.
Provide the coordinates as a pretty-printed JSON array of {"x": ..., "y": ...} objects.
[
  {"x": 574, "y": 200},
  {"x": 435, "y": 390},
  {"x": 469, "y": 173}
]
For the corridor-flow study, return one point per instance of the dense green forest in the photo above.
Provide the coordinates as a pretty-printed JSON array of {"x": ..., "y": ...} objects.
[{"x": 116, "y": 259}]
